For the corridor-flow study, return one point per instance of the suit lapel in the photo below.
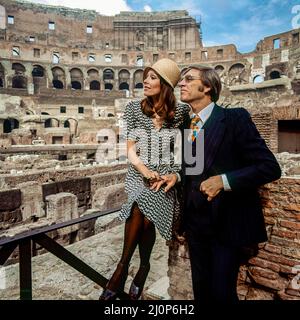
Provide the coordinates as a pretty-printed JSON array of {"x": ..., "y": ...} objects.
[{"x": 214, "y": 129}]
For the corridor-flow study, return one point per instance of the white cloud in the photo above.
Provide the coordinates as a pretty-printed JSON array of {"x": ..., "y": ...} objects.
[
  {"x": 147, "y": 8},
  {"x": 109, "y": 8}
]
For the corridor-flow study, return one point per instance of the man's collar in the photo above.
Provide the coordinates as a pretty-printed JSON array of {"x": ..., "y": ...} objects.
[{"x": 205, "y": 113}]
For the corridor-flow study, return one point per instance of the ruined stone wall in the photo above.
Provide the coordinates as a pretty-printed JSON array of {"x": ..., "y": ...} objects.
[
  {"x": 94, "y": 69},
  {"x": 34, "y": 204},
  {"x": 268, "y": 103},
  {"x": 274, "y": 272},
  {"x": 126, "y": 30},
  {"x": 9, "y": 181}
]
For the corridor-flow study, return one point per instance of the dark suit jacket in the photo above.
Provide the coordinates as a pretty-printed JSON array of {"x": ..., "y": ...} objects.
[{"x": 232, "y": 146}]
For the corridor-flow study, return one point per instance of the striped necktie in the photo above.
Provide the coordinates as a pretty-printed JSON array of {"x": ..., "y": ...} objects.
[{"x": 194, "y": 127}]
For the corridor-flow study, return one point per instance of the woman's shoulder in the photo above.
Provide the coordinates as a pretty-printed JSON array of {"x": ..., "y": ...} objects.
[
  {"x": 133, "y": 106},
  {"x": 133, "y": 103},
  {"x": 182, "y": 113},
  {"x": 183, "y": 108}
]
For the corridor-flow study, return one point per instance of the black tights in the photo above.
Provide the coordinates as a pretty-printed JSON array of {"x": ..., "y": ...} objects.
[{"x": 138, "y": 231}]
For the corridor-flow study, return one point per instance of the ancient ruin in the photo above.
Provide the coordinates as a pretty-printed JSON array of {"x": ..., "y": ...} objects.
[{"x": 65, "y": 78}]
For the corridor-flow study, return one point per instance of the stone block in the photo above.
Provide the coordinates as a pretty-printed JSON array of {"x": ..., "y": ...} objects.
[
  {"x": 10, "y": 200},
  {"x": 62, "y": 207},
  {"x": 32, "y": 200},
  {"x": 109, "y": 197}
]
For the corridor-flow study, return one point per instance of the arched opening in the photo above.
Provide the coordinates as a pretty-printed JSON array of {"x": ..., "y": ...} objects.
[
  {"x": 275, "y": 75},
  {"x": 10, "y": 124},
  {"x": 38, "y": 71},
  {"x": 138, "y": 79},
  {"x": 139, "y": 61},
  {"x": 219, "y": 69},
  {"x": 76, "y": 85},
  {"x": 76, "y": 78},
  {"x": 110, "y": 115},
  {"x": 108, "y": 86},
  {"x": 19, "y": 82},
  {"x": 124, "y": 86},
  {"x": 93, "y": 73},
  {"x": 1, "y": 76},
  {"x": 19, "y": 68},
  {"x": 45, "y": 113},
  {"x": 57, "y": 84},
  {"x": 237, "y": 74},
  {"x": 48, "y": 123},
  {"x": 58, "y": 78},
  {"x": 108, "y": 74},
  {"x": 66, "y": 124},
  {"x": 124, "y": 78},
  {"x": 39, "y": 79},
  {"x": 258, "y": 79},
  {"x": 139, "y": 86},
  {"x": 94, "y": 85}
]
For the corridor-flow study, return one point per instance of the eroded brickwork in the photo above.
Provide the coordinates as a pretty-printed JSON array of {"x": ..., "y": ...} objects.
[{"x": 273, "y": 273}]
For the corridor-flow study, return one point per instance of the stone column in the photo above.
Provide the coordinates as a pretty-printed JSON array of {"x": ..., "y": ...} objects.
[{"x": 68, "y": 84}]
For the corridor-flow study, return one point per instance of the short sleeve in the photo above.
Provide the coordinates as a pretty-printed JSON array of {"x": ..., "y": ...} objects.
[{"x": 129, "y": 123}]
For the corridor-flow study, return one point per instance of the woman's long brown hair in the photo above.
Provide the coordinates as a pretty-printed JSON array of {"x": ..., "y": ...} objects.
[{"x": 166, "y": 105}]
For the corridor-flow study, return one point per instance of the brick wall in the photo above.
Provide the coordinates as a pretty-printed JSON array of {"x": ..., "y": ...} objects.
[{"x": 275, "y": 271}]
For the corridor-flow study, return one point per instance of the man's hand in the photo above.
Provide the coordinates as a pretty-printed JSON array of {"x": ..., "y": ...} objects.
[
  {"x": 212, "y": 186},
  {"x": 169, "y": 180}
]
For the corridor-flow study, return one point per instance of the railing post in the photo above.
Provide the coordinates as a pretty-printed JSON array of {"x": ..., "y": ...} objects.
[{"x": 25, "y": 270}]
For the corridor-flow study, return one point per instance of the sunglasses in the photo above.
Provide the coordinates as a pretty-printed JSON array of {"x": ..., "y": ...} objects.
[{"x": 188, "y": 78}]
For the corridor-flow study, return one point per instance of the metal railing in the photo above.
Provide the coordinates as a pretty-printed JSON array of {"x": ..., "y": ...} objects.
[{"x": 25, "y": 240}]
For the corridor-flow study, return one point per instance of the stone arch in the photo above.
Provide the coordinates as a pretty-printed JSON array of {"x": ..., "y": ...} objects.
[
  {"x": 76, "y": 85},
  {"x": 258, "y": 79},
  {"x": 275, "y": 74},
  {"x": 124, "y": 79},
  {"x": 2, "y": 76},
  {"x": 93, "y": 73},
  {"x": 49, "y": 123},
  {"x": 237, "y": 74},
  {"x": 19, "y": 68},
  {"x": 124, "y": 86},
  {"x": 38, "y": 71},
  {"x": 67, "y": 124},
  {"x": 57, "y": 84},
  {"x": 138, "y": 79},
  {"x": 108, "y": 86},
  {"x": 19, "y": 80},
  {"x": 95, "y": 85},
  {"x": 124, "y": 75},
  {"x": 39, "y": 77},
  {"x": 220, "y": 69},
  {"x": 73, "y": 125},
  {"x": 58, "y": 81},
  {"x": 10, "y": 124},
  {"x": 108, "y": 74},
  {"x": 76, "y": 78}
]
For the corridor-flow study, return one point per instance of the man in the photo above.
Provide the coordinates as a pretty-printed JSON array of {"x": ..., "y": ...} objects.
[{"x": 222, "y": 209}]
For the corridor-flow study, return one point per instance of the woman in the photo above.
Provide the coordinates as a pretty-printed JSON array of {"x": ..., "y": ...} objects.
[{"x": 149, "y": 138}]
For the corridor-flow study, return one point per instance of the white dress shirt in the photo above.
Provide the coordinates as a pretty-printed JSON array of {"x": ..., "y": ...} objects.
[{"x": 204, "y": 114}]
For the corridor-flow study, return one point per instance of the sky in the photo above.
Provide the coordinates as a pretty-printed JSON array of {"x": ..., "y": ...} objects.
[{"x": 239, "y": 22}]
